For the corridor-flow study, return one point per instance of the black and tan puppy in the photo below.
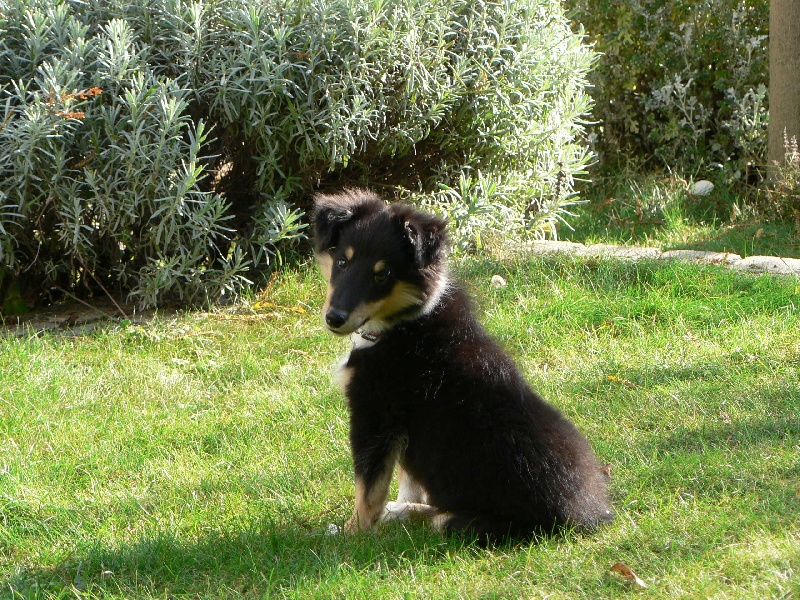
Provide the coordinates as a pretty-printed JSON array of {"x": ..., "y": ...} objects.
[{"x": 430, "y": 392}]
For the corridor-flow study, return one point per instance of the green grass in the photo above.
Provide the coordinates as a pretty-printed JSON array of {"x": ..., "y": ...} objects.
[
  {"x": 204, "y": 456},
  {"x": 649, "y": 211}
]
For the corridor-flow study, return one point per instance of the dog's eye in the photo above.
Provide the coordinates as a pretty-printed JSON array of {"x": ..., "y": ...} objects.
[
  {"x": 342, "y": 264},
  {"x": 381, "y": 276}
]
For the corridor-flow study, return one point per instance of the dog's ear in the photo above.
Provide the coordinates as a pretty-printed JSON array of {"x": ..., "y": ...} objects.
[
  {"x": 330, "y": 213},
  {"x": 333, "y": 211},
  {"x": 427, "y": 234}
]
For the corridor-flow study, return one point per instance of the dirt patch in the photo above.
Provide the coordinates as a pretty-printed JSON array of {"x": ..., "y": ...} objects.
[{"x": 72, "y": 318}]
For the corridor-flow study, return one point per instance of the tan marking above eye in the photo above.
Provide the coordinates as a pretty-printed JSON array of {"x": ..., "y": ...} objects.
[
  {"x": 379, "y": 266},
  {"x": 349, "y": 252}
]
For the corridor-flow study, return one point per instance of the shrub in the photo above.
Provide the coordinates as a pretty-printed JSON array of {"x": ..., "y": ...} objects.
[
  {"x": 782, "y": 199},
  {"x": 166, "y": 148},
  {"x": 681, "y": 85}
]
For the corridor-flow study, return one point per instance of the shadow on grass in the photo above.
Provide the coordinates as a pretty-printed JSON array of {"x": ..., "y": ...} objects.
[
  {"x": 230, "y": 563},
  {"x": 705, "y": 390},
  {"x": 712, "y": 377},
  {"x": 707, "y": 428},
  {"x": 731, "y": 436}
]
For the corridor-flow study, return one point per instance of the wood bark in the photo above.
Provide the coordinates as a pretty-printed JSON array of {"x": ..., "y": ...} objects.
[{"x": 784, "y": 77}]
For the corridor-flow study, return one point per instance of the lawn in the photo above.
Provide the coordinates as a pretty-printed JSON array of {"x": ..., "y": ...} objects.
[
  {"x": 205, "y": 455},
  {"x": 660, "y": 212}
]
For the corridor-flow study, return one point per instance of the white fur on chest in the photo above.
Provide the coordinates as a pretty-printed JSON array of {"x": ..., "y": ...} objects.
[{"x": 342, "y": 374}]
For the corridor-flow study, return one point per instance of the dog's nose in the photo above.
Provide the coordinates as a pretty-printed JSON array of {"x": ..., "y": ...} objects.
[{"x": 335, "y": 318}]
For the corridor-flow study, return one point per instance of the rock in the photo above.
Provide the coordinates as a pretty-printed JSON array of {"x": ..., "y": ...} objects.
[
  {"x": 702, "y": 188},
  {"x": 714, "y": 258},
  {"x": 497, "y": 282},
  {"x": 555, "y": 247},
  {"x": 626, "y": 252},
  {"x": 769, "y": 264},
  {"x": 754, "y": 264}
]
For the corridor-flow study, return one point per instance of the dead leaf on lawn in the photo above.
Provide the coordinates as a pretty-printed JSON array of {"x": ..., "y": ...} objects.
[
  {"x": 626, "y": 382},
  {"x": 626, "y": 572},
  {"x": 606, "y": 470},
  {"x": 262, "y": 304}
]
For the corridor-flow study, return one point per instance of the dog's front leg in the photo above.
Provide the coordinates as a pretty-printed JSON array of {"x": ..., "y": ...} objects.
[{"x": 373, "y": 471}]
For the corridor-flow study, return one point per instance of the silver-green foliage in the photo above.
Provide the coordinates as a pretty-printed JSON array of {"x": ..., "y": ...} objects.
[
  {"x": 100, "y": 164},
  {"x": 130, "y": 132},
  {"x": 680, "y": 85},
  {"x": 473, "y": 108}
]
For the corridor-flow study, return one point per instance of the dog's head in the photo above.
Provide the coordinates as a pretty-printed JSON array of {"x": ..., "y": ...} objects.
[{"x": 384, "y": 263}]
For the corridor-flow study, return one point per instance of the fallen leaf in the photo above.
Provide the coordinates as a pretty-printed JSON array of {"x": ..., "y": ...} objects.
[
  {"x": 261, "y": 304},
  {"x": 626, "y": 572},
  {"x": 606, "y": 470},
  {"x": 266, "y": 305},
  {"x": 606, "y": 202},
  {"x": 616, "y": 379}
]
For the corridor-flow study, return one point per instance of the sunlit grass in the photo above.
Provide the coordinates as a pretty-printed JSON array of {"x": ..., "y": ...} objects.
[
  {"x": 206, "y": 455},
  {"x": 661, "y": 212}
]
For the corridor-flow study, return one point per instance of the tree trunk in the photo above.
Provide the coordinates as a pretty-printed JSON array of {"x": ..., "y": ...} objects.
[{"x": 784, "y": 77}]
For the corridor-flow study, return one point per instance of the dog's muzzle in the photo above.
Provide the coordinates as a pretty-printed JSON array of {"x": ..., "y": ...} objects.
[{"x": 335, "y": 318}]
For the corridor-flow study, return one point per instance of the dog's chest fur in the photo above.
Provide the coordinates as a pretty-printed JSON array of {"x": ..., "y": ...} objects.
[{"x": 421, "y": 369}]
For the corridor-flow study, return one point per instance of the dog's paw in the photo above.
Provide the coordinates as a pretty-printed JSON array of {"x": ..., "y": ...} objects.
[
  {"x": 395, "y": 511},
  {"x": 351, "y": 526},
  {"x": 354, "y": 525},
  {"x": 403, "y": 511}
]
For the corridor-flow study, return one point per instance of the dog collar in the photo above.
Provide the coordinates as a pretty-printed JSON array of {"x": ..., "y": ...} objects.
[
  {"x": 370, "y": 336},
  {"x": 364, "y": 339}
]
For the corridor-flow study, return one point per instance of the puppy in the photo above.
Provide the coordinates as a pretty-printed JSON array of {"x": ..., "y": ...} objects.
[{"x": 429, "y": 392}]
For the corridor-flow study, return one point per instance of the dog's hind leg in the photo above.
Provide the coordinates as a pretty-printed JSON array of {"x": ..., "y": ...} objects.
[
  {"x": 409, "y": 490},
  {"x": 487, "y": 529}
]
